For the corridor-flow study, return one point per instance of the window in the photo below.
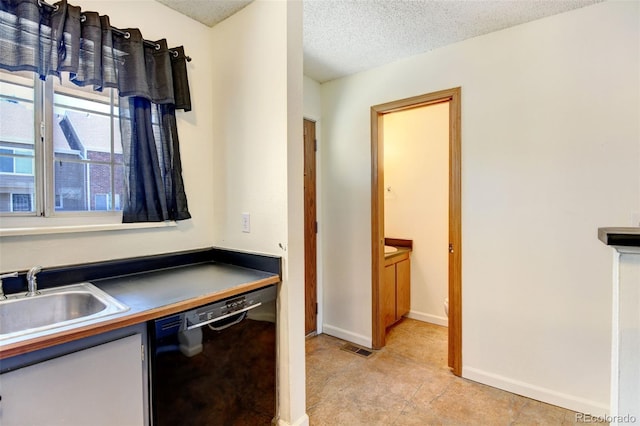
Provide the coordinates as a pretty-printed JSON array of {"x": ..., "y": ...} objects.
[
  {"x": 79, "y": 165},
  {"x": 16, "y": 161},
  {"x": 21, "y": 202}
]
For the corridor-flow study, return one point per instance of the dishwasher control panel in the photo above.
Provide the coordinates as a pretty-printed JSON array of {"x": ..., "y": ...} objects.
[{"x": 228, "y": 307}]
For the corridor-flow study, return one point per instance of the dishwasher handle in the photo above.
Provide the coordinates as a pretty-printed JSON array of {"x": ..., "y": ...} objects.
[
  {"x": 238, "y": 320},
  {"x": 220, "y": 318}
]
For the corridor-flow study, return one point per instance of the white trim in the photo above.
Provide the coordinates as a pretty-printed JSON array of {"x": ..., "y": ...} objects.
[
  {"x": 627, "y": 249},
  {"x": 302, "y": 421},
  {"x": 529, "y": 390},
  {"x": 430, "y": 318},
  {"x": 349, "y": 336},
  {"x": 13, "y": 232},
  {"x": 615, "y": 337}
]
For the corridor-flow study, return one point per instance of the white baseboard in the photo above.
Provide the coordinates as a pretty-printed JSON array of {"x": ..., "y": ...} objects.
[
  {"x": 432, "y": 319},
  {"x": 349, "y": 336},
  {"x": 549, "y": 396},
  {"x": 302, "y": 421}
]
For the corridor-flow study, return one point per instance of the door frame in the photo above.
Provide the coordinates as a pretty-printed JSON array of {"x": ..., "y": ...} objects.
[{"x": 455, "y": 211}]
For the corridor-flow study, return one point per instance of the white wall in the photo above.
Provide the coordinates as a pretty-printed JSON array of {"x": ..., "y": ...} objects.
[
  {"x": 550, "y": 152},
  {"x": 312, "y": 100},
  {"x": 197, "y": 150},
  {"x": 416, "y": 201},
  {"x": 258, "y": 163}
]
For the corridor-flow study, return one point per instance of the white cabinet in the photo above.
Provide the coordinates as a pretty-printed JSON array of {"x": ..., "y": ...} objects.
[{"x": 101, "y": 385}]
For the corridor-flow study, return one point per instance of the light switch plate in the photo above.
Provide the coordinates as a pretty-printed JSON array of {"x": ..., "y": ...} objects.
[{"x": 246, "y": 222}]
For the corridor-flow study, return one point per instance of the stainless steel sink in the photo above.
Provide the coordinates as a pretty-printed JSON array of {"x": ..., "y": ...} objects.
[{"x": 54, "y": 308}]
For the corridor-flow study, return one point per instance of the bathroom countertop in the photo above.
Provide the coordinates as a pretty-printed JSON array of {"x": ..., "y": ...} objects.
[
  {"x": 403, "y": 246},
  {"x": 401, "y": 251}
]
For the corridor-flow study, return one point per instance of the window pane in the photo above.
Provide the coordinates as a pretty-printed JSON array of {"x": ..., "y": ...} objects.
[
  {"x": 17, "y": 183},
  {"x": 87, "y": 148},
  {"x": 101, "y": 202},
  {"x": 79, "y": 103},
  {"x": 24, "y": 165},
  {"x": 6, "y": 160},
  {"x": 16, "y": 109},
  {"x": 100, "y": 186},
  {"x": 17, "y": 85},
  {"x": 119, "y": 186},
  {"x": 70, "y": 185}
]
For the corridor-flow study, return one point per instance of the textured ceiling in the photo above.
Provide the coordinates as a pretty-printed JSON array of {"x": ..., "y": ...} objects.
[
  {"x": 343, "y": 37},
  {"x": 208, "y": 12}
]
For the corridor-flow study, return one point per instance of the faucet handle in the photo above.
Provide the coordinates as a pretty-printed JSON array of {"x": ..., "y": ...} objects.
[
  {"x": 9, "y": 275},
  {"x": 2, "y": 277}
]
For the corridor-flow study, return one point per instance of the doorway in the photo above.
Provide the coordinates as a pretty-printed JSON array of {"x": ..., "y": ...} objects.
[
  {"x": 452, "y": 96},
  {"x": 310, "y": 229}
]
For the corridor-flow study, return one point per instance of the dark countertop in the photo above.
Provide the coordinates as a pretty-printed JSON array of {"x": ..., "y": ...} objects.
[
  {"x": 156, "y": 289},
  {"x": 151, "y": 295},
  {"x": 620, "y": 237}
]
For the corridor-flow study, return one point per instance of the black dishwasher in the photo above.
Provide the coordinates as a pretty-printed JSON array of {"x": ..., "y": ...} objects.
[{"x": 216, "y": 364}]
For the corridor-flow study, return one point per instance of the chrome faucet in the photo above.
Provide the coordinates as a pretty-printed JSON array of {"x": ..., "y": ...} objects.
[
  {"x": 2, "y": 277},
  {"x": 32, "y": 285}
]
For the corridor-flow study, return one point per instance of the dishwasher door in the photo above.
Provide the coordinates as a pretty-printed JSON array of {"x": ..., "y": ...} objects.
[{"x": 216, "y": 365}]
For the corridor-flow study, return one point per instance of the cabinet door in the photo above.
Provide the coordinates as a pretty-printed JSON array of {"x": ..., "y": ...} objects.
[
  {"x": 102, "y": 385},
  {"x": 403, "y": 288},
  {"x": 388, "y": 296}
]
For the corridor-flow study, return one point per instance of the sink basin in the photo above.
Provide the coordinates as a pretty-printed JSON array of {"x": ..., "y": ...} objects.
[
  {"x": 54, "y": 308},
  {"x": 389, "y": 249}
]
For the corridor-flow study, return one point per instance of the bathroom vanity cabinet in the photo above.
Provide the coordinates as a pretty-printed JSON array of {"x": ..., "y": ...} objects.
[{"x": 396, "y": 293}]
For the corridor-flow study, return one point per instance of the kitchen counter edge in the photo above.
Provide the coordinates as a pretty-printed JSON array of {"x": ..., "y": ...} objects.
[{"x": 133, "y": 316}]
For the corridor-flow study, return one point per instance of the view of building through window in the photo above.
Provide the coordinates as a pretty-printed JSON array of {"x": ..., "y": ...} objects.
[
  {"x": 17, "y": 166},
  {"x": 83, "y": 152}
]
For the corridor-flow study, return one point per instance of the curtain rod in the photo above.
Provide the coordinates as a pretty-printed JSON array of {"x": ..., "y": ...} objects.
[{"x": 118, "y": 31}]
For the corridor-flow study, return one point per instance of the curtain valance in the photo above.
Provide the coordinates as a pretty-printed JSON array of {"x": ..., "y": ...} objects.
[{"x": 50, "y": 40}]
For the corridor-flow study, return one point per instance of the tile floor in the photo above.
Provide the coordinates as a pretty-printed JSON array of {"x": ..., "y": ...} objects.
[{"x": 408, "y": 383}]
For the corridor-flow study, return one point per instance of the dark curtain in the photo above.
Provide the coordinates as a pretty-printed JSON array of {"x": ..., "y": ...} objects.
[
  {"x": 152, "y": 162},
  {"x": 151, "y": 80},
  {"x": 153, "y": 183}
]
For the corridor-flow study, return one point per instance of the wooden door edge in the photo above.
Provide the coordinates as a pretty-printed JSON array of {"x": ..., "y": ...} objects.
[
  {"x": 310, "y": 237},
  {"x": 377, "y": 228},
  {"x": 455, "y": 233}
]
